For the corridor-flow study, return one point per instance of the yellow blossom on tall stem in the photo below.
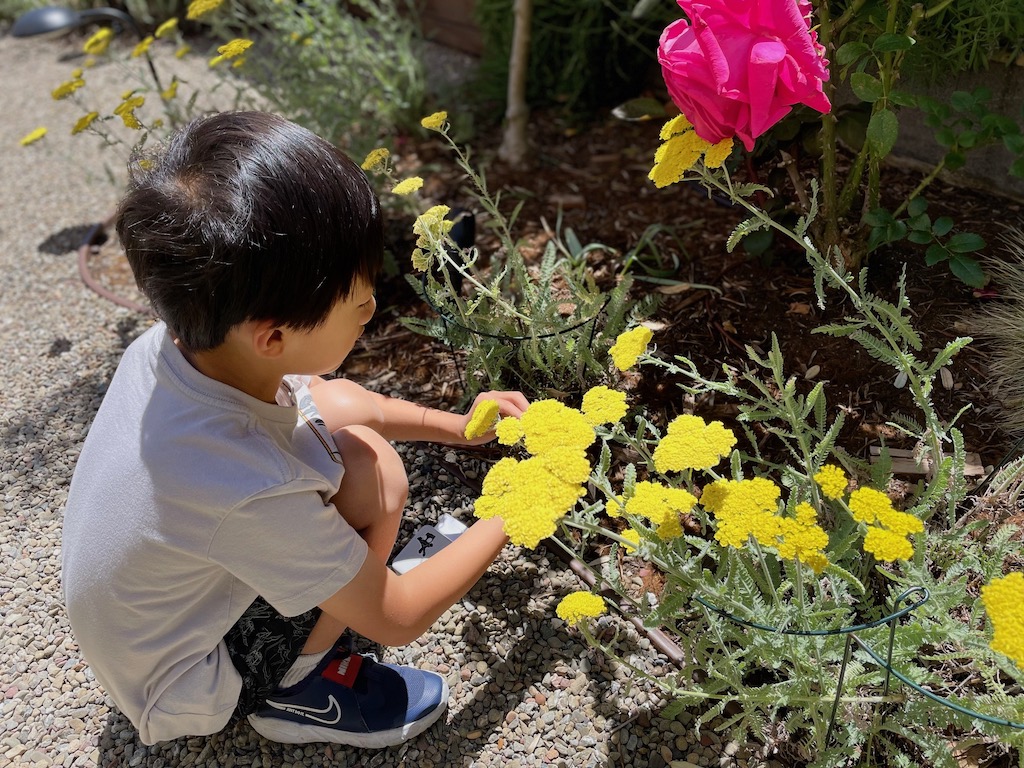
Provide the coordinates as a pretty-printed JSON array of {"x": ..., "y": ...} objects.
[
  {"x": 832, "y": 480},
  {"x": 99, "y": 42},
  {"x": 602, "y": 405},
  {"x": 407, "y": 186},
  {"x": 84, "y": 122},
  {"x": 65, "y": 89},
  {"x": 167, "y": 28},
  {"x": 375, "y": 159},
  {"x": 143, "y": 46},
  {"x": 32, "y": 136},
  {"x": 1003, "y": 598},
  {"x": 231, "y": 50},
  {"x": 199, "y": 8},
  {"x": 576, "y": 607},
  {"x": 629, "y": 346},
  {"x": 692, "y": 443},
  {"x": 435, "y": 122},
  {"x": 662, "y": 505}
]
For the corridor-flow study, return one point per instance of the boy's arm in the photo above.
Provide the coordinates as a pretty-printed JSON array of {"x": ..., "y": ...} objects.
[
  {"x": 343, "y": 403},
  {"x": 395, "y": 610}
]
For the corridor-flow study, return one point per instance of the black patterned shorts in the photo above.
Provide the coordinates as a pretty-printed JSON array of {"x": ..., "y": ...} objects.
[{"x": 263, "y": 645}]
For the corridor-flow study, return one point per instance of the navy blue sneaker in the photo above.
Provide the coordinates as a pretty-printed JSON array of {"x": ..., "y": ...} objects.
[{"x": 355, "y": 700}]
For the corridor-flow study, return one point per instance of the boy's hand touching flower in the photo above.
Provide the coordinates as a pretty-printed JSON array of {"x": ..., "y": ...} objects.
[{"x": 487, "y": 408}]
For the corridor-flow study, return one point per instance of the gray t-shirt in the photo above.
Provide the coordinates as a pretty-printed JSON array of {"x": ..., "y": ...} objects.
[{"x": 189, "y": 499}]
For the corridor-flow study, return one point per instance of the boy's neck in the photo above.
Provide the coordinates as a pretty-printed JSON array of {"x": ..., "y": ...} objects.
[{"x": 230, "y": 365}]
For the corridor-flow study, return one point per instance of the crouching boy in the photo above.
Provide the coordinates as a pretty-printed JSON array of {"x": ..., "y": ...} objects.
[{"x": 232, "y": 512}]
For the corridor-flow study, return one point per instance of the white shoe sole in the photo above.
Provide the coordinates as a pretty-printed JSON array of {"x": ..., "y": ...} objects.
[{"x": 290, "y": 732}]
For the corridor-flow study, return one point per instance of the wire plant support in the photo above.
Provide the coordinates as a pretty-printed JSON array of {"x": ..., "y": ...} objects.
[{"x": 920, "y": 596}]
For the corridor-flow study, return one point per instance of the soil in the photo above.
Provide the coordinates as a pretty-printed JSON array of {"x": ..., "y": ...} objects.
[{"x": 597, "y": 176}]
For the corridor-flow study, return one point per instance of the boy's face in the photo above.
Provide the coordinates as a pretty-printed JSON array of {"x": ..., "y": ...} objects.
[{"x": 323, "y": 349}]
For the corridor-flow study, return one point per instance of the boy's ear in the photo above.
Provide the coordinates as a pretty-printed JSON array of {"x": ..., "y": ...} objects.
[{"x": 267, "y": 338}]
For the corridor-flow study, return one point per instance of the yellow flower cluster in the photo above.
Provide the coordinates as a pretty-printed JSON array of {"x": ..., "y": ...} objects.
[
  {"x": 32, "y": 136},
  {"x": 143, "y": 46},
  {"x": 662, "y": 505},
  {"x": 65, "y": 89},
  {"x": 84, "y": 122},
  {"x": 1003, "y": 598},
  {"x": 888, "y": 529},
  {"x": 575, "y": 607},
  {"x": 833, "y": 481},
  {"x": 633, "y": 535},
  {"x": 431, "y": 226},
  {"x": 99, "y": 42},
  {"x": 629, "y": 346},
  {"x": 482, "y": 421},
  {"x": 749, "y": 508},
  {"x": 126, "y": 110},
  {"x": 199, "y": 8},
  {"x": 231, "y": 50},
  {"x": 602, "y": 405},
  {"x": 531, "y": 495},
  {"x": 376, "y": 159},
  {"x": 691, "y": 443},
  {"x": 435, "y": 122},
  {"x": 681, "y": 150},
  {"x": 407, "y": 186},
  {"x": 166, "y": 29}
]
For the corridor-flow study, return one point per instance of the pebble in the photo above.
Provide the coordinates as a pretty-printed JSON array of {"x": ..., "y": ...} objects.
[{"x": 526, "y": 690}]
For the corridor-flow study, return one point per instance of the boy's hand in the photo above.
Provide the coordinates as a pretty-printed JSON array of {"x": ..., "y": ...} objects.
[{"x": 510, "y": 404}]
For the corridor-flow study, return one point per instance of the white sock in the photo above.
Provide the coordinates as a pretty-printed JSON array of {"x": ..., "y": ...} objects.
[{"x": 303, "y": 665}]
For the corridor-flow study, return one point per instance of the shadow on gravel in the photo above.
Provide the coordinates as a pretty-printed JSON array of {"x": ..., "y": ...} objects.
[{"x": 66, "y": 240}]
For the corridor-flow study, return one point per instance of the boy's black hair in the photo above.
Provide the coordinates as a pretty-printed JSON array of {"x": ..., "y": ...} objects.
[{"x": 247, "y": 216}]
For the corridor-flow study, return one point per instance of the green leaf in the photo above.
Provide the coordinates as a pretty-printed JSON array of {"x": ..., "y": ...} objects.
[
  {"x": 879, "y": 217},
  {"x": 955, "y": 160},
  {"x": 946, "y": 136},
  {"x": 917, "y": 206},
  {"x": 850, "y": 52},
  {"x": 967, "y": 139},
  {"x": 968, "y": 270},
  {"x": 883, "y": 130},
  {"x": 941, "y": 226},
  {"x": 1017, "y": 169},
  {"x": 962, "y": 101},
  {"x": 935, "y": 254},
  {"x": 1014, "y": 143},
  {"x": 890, "y": 42},
  {"x": 903, "y": 99},
  {"x": 965, "y": 242},
  {"x": 744, "y": 228},
  {"x": 866, "y": 87},
  {"x": 644, "y": 108},
  {"x": 920, "y": 237}
]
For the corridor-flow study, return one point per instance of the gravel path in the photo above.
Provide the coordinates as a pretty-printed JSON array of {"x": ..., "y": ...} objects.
[{"x": 525, "y": 690}]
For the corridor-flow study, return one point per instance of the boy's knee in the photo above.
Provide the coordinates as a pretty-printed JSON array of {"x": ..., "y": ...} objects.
[{"x": 368, "y": 455}]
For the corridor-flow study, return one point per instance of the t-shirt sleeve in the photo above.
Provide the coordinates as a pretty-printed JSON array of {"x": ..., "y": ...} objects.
[{"x": 291, "y": 547}]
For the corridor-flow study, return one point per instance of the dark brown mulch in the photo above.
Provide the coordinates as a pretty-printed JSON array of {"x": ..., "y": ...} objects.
[{"x": 598, "y": 177}]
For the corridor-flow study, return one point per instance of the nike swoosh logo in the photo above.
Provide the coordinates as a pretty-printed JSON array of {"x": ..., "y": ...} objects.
[{"x": 312, "y": 713}]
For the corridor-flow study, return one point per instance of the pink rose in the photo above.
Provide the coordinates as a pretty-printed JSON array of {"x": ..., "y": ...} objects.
[{"x": 742, "y": 65}]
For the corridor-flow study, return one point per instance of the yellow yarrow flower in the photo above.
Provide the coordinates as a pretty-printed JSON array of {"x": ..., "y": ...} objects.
[
  {"x": 171, "y": 91},
  {"x": 868, "y": 505},
  {"x": 231, "y": 50},
  {"x": 84, "y": 122},
  {"x": 509, "y": 431},
  {"x": 1003, "y": 598},
  {"x": 678, "y": 124},
  {"x": 432, "y": 226},
  {"x": 691, "y": 443},
  {"x": 375, "y": 159},
  {"x": 717, "y": 154},
  {"x": 661, "y": 505},
  {"x": 435, "y": 122},
  {"x": 632, "y": 535},
  {"x": 832, "y": 480},
  {"x": 199, "y": 8},
  {"x": 802, "y": 539},
  {"x": 629, "y": 346},
  {"x": 549, "y": 424},
  {"x": 65, "y": 89},
  {"x": 99, "y": 42},
  {"x": 676, "y": 156},
  {"x": 744, "y": 508},
  {"x": 182, "y": 52},
  {"x": 167, "y": 28},
  {"x": 420, "y": 260},
  {"x": 575, "y": 607},
  {"x": 142, "y": 46},
  {"x": 126, "y": 110},
  {"x": 407, "y": 186},
  {"x": 887, "y": 545},
  {"x": 484, "y": 416},
  {"x": 602, "y": 405},
  {"x": 32, "y": 136}
]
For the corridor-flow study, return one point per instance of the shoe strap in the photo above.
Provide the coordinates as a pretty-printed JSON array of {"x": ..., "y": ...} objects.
[{"x": 343, "y": 671}]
